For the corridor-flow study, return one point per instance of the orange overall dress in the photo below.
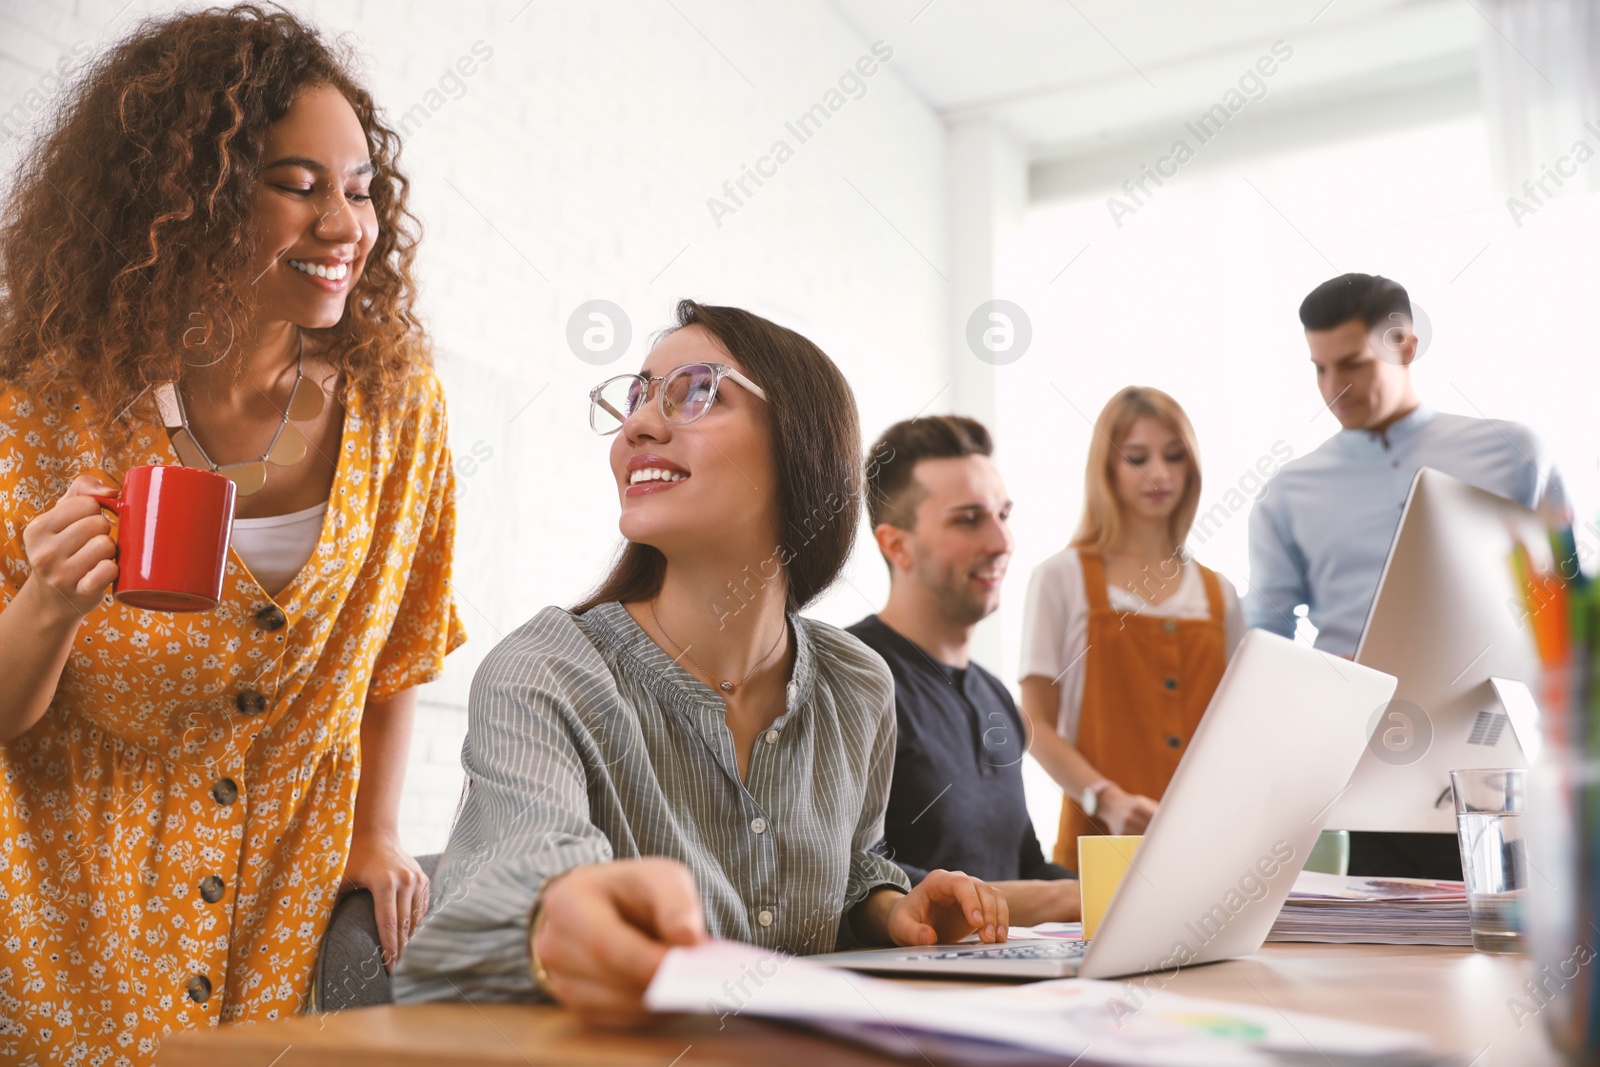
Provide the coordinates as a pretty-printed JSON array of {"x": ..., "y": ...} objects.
[{"x": 1147, "y": 682}]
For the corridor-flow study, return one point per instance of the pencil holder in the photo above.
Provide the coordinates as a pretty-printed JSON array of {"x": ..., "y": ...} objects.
[{"x": 1563, "y": 922}]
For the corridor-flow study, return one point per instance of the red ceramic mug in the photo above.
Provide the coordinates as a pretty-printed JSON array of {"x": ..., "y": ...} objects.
[{"x": 173, "y": 525}]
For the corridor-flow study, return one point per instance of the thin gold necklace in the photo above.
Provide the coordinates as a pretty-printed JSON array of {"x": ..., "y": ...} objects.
[{"x": 724, "y": 684}]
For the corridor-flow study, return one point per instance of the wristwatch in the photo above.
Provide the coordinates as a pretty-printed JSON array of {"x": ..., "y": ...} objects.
[{"x": 1091, "y": 796}]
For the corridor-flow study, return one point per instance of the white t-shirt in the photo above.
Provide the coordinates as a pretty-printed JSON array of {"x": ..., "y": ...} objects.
[
  {"x": 275, "y": 548},
  {"x": 1055, "y": 623}
]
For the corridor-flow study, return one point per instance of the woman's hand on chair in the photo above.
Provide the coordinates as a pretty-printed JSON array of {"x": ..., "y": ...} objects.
[
  {"x": 399, "y": 889},
  {"x": 603, "y": 929}
]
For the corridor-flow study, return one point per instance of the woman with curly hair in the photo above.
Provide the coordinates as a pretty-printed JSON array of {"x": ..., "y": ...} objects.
[{"x": 207, "y": 260}]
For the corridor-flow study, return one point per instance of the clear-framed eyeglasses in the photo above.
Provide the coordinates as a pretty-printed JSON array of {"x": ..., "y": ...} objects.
[{"x": 685, "y": 393}]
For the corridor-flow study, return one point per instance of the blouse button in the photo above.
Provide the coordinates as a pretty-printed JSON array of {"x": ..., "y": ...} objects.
[
  {"x": 1170, "y": 626},
  {"x": 1171, "y": 683},
  {"x": 758, "y": 825},
  {"x": 791, "y": 691},
  {"x": 250, "y": 702},
  {"x": 199, "y": 988},
  {"x": 765, "y": 918},
  {"x": 772, "y": 737},
  {"x": 212, "y": 889},
  {"x": 225, "y": 791},
  {"x": 271, "y": 618}
]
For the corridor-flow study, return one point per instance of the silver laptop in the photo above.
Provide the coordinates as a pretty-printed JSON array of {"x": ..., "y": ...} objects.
[{"x": 1276, "y": 747}]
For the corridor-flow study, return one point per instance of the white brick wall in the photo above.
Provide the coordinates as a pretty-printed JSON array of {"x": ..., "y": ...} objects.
[{"x": 574, "y": 163}]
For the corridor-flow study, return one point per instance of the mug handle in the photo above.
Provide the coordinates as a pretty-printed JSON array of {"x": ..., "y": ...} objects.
[{"x": 114, "y": 504}]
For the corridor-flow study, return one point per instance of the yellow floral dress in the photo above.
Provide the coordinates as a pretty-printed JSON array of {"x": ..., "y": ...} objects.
[{"x": 173, "y": 831}]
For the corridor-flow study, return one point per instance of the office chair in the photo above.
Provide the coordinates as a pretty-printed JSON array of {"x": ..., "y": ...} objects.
[{"x": 350, "y": 972}]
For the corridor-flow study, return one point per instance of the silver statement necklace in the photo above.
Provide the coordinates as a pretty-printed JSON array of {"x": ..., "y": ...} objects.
[
  {"x": 724, "y": 684},
  {"x": 288, "y": 445}
]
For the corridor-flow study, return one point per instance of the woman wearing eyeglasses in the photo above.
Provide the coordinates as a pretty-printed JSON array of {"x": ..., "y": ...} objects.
[{"x": 681, "y": 755}]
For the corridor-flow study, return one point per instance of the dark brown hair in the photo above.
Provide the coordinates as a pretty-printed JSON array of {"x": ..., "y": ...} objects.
[
  {"x": 816, "y": 439},
  {"x": 1371, "y": 298},
  {"x": 127, "y": 233},
  {"x": 892, "y": 490}
]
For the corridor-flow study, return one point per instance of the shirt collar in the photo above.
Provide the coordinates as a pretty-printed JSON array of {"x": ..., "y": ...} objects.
[
  {"x": 1401, "y": 432},
  {"x": 915, "y": 653},
  {"x": 612, "y": 624}
]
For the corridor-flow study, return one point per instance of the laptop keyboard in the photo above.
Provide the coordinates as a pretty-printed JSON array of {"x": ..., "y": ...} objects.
[{"x": 1018, "y": 950}]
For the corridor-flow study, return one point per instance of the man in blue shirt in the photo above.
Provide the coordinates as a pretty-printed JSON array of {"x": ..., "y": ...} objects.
[
  {"x": 939, "y": 511},
  {"x": 1321, "y": 530}
]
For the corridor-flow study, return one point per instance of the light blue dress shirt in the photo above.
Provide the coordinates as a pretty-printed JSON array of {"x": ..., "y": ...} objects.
[{"x": 1320, "y": 532}]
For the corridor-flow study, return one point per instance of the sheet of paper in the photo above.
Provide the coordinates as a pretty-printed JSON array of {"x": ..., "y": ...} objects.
[
  {"x": 1315, "y": 885},
  {"x": 1046, "y": 932},
  {"x": 1131, "y": 1023}
]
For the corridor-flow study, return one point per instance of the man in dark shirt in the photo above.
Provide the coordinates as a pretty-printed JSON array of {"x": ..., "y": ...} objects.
[{"x": 939, "y": 512}]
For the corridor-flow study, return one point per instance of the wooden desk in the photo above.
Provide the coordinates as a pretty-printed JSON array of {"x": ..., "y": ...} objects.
[{"x": 1455, "y": 996}]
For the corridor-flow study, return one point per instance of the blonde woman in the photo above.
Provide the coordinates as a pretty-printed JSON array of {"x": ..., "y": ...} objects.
[{"x": 1124, "y": 636}]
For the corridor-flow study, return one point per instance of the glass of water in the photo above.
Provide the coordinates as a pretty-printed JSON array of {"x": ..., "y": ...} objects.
[{"x": 1489, "y": 808}]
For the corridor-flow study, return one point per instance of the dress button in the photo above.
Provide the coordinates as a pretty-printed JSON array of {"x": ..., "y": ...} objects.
[
  {"x": 211, "y": 889},
  {"x": 250, "y": 702},
  {"x": 758, "y": 825},
  {"x": 1170, "y": 626},
  {"x": 790, "y": 692},
  {"x": 271, "y": 618},
  {"x": 765, "y": 918},
  {"x": 225, "y": 791},
  {"x": 772, "y": 737},
  {"x": 199, "y": 988},
  {"x": 1174, "y": 741},
  {"x": 1171, "y": 683}
]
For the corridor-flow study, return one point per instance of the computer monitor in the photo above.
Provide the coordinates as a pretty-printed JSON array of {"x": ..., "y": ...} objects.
[{"x": 1448, "y": 617}]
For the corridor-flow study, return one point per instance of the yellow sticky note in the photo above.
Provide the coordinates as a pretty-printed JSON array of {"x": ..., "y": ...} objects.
[{"x": 1102, "y": 861}]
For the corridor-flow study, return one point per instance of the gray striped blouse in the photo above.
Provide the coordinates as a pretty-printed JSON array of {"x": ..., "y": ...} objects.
[{"x": 586, "y": 742}]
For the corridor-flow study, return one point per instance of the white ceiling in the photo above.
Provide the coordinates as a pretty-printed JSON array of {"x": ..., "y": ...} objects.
[{"x": 1081, "y": 82}]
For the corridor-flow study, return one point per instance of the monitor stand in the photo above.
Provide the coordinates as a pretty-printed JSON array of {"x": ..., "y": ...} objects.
[
  {"x": 1523, "y": 712},
  {"x": 1397, "y": 855}
]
